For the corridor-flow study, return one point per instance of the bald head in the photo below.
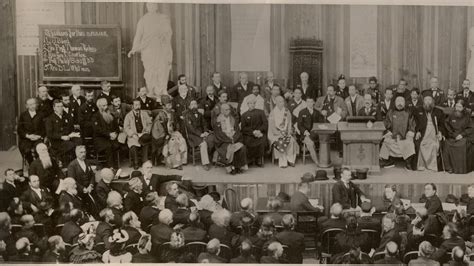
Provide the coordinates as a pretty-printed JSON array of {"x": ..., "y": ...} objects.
[
  {"x": 213, "y": 246},
  {"x": 107, "y": 175},
  {"x": 391, "y": 249}
]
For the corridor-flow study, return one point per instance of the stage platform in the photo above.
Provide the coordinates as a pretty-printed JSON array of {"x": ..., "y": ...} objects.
[{"x": 269, "y": 181}]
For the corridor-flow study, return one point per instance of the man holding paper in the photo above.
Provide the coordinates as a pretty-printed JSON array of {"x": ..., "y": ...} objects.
[{"x": 331, "y": 106}]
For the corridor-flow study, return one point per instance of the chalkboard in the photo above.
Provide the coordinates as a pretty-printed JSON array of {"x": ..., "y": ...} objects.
[{"x": 80, "y": 52}]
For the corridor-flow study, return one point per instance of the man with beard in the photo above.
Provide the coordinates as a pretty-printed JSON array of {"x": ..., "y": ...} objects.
[
  {"x": 207, "y": 103},
  {"x": 374, "y": 90},
  {"x": 119, "y": 110},
  {"x": 402, "y": 90},
  {"x": 428, "y": 134},
  {"x": 86, "y": 112},
  {"x": 137, "y": 126},
  {"x": 46, "y": 168},
  {"x": 80, "y": 169},
  {"x": 414, "y": 103},
  {"x": 259, "y": 101},
  {"x": 13, "y": 186},
  {"x": 434, "y": 90},
  {"x": 181, "y": 104},
  {"x": 254, "y": 127},
  {"x": 146, "y": 102},
  {"x": 68, "y": 198},
  {"x": 163, "y": 126},
  {"x": 182, "y": 81},
  {"x": 229, "y": 141},
  {"x": 31, "y": 130},
  {"x": 60, "y": 132},
  {"x": 34, "y": 195},
  {"x": 105, "y": 227},
  {"x": 270, "y": 102},
  {"x": 223, "y": 99},
  {"x": 72, "y": 229},
  {"x": 459, "y": 137},
  {"x": 103, "y": 187},
  {"x": 466, "y": 94},
  {"x": 387, "y": 104},
  {"x": 68, "y": 112},
  {"x": 198, "y": 134},
  {"x": 106, "y": 130},
  {"x": 217, "y": 82},
  {"x": 306, "y": 119},
  {"x": 398, "y": 139},
  {"x": 45, "y": 102}
]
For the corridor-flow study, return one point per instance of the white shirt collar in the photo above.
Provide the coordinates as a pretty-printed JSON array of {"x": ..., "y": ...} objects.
[
  {"x": 32, "y": 113},
  {"x": 82, "y": 164},
  {"x": 353, "y": 97},
  {"x": 37, "y": 191}
]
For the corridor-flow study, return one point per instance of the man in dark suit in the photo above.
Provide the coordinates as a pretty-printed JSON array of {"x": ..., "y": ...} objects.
[
  {"x": 305, "y": 121},
  {"x": 389, "y": 232},
  {"x": 387, "y": 104},
  {"x": 81, "y": 171},
  {"x": 435, "y": 92},
  {"x": 34, "y": 195},
  {"x": 146, "y": 102},
  {"x": 335, "y": 219},
  {"x": 366, "y": 220},
  {"x": 149, "y": 214},
  {"x": 308, "y": 90},
  {"x": 106, "y": 131},
  {"x": 433, "y": 204},
  {"x": 451, "y": 239},
  {"x": 402, "y": 90},
  {"x": 86, "y": 112},
  {"x": 68, "y": 112},
  {"x": 391, "y": 255},
  {"x": 300, "y": 202},
  {"x": 151, "y": 181},
  {"x": 103, "y": 187},
  {"x": 46, "y": 168},
  {"x": 240, "y": 90},
  {"x": 131, "y": 225},
  {"x": 55, "y": 253},
  {"x": 217, "y": 82},
  {"x": 105, "y": 91},
  {"x": 105, "y": 227},
  {"x": 30, "y": 130},
  {"x": 369, "y": 109},
  {"x": 245, "y": 254},
  {"x": 211, "y": 254},
  {"x": 292, "y": 239},
  {"x": 60, "y": 132},
  {"x": 347, "y": 193},
  {"x": 207, "y": 103},
  {"x": 161, "y": 232},
  {"x": 180, "y": 105},
  {"x": 247, "y": 210},
  {"x": 13, "y": 186},
  {"x": 181, "y": 215},
  {"x": 69, "y": 195},
  {"x": 76, "y": 99},
  {"x": 414, "y": 102},
  {"x": 133, "y": 200},
  {"x": 182, "y": 81},
  {"x": 119, "y": 110},
  {"x": 72, "y": 229},
  {"x": 193, "y": 232},
  {"x": 466, "y": 94},
  {"x": 45, "y": 102}
]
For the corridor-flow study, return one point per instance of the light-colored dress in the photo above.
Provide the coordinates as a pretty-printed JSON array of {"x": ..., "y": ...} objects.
[{"x": 124, "y": 258}]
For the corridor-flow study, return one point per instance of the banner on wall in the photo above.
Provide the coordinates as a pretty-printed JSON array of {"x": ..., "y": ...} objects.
[
  {"x": 363, "y": 41},
  {"x": 250, "y": 32},
  {"x": 30, "y": 14}
]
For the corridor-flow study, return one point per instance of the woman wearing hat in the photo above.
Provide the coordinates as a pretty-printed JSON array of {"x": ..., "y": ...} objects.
[
  {"x": 117, "y": 252},
  {"x": 84, "y": 252}
]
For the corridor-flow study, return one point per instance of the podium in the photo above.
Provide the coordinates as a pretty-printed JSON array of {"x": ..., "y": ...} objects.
[
  {"x": 325, "y": 131},
  {"x": 361, "y": 145}
]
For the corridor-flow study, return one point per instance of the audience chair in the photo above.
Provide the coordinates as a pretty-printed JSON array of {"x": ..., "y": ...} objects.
[
  {"x": 374, "y": 239},
  {"x": 306, "y": 224},
  {"x": 306, "y": 151},
  {"x": 101, "y": 158},
  {"x": 133, "y": 248},
  {"x": 410, "y": 256},
  {"x": 39, "y": 230},
  {"x": 59, "y": 228},
  {"x": 378, "y": 256},
  {"x": 196, "y": 248},
  {"x": 328, "y": 241},
  {"x": 195, "y": 151},
  {"x": 100, "y": 247},
  {"x": 90, "y": 147},
  {"x": 364, "y": 256},
  {"x": 162, "y": 249},
  {"x": 15, "y": 228},
  {"x": 231, "y": 200},
  {"x": 226, "y": 252}
]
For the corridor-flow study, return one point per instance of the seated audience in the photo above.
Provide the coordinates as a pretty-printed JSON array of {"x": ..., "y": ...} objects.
[
  {"x": 117, "y": 252},
  {"x": 13, "y": 186},
  {"x": 137, "y": 126},
  {"x": 422, "y": 226},
  {"x": 153, "y": 182},
  {"x": 366, "y": 220},
  {"x": 6, "y": 237},
  {"x": 212, "y": 253},
  {"x": 27, "y": 230},
  {"x": 144, "y": 248},
  {"x": 451, "y": 239},
  {"x": 354, "y": 102},
  {"x": 72, "y": 229},
  {"x": 30, "y": 130},
  {"x": 106, "y": 131},
  {"x": 257, "y": 99},
  {"x": 335, "y": 219},
  {"x": 293, "y": 240},
  {"x": 181, "y": 214},
  {"x": 175, "y": 250},
  {"x": 69, "y": 194},
  {"x": 458, "y": 257},
  {"x": 131, "y": 225},
  {"x": 247, "y": 209},
  {"x": 274, "y": 205},
  {"x": 207, "y": 206},
  {"x": 275, "y": 252},
  {"x": 246, "y": 255},
  {"x": 114, "y": 202},
  {"x": 351, "y": 238},
  {"x": 389, "y": 232},
  {"x": 300, "y": 202},
  {"x": 161, "y": 232},
  {"x": 425, "y": 251},
  {"x": 105, "y": 227},
  {"x": 305, "y": 122},
  {"x": 265, "y": 234},
  {"x": 369, "y": 109},
  {"x": 56, "y": 251},
  {"x": 103, "y": 187},
  {"x": 133, "y": 201},
  {"x": 254, "y": 127},
  {"x": 207, "y": 104},
  {"x": 433, "y": 204},
  {"x": 46, "y": 168},
  {"x": 391, "y": 254},
  {"x": 149, "y": 214},
  {"x": 220, "y": 228},
  {"x": 281, "y": 135},
  {"x": 194, "y": 231},
  {"x": 34, "y": 195},
  {"x": 24, "y": 254},
  {"x": 84, "y": 252}
]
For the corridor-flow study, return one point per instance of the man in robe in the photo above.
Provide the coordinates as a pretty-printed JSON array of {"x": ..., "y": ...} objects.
[
  {"x": 137, "y": 126},
  {"x": 429, "y": 132},
  {"x": 296, "y": 104},
  {"x": 153, "y": 41},
  {"x": 414, "y": 102},
  {"x": 60, "y": 132},
  {"x": 163, "y": 126},
  {"x": 46, "y": 168},
  {"x": 31, "y": 130},
  {"x": 398, "y": 139},
  {"x": 280, "y": 134},
  {"x": 307, "y": 89},
  {"x": 466, "y": 94},
  {"x": 86, "y": 112},
  {"x": 374, "y": 90},
  {"x": 207, "y": 103},
  {"x": 198, "y": 134},
  {"x": 369, "y": 109},
  {"x": 402, "y": 90},
  {"x": 229, "y": 141},
  {"x": 182, "y": 81},
  {"x": 434, "y": 90},
  {"x": 254, "y": 126},
  {"x": 354, "y": 102},
  {"x": 223, "y": 98},
  {"x": 241, "y": 89},
  {"x": 387, "y": 104},
  {"x": 106, "y": 131},
  {"x": 270, "y": 102},
  {"x": 459, "y": 139},
  {"x": 147, "y": 103},
  {"x": 306, "y": 119},
  {"x": 217, "y": 82},
  {"x": 259, "y": 101}
]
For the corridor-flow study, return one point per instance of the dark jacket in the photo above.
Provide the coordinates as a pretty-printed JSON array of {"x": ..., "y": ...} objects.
[
  {"x": 148, "y": 215},
  {"x": 28, "y": 125},
  {"x": 66, "y": 198},
  {"x": 369, "y": 222},
  {"x": 386, "y": 237},
  {"x": 29, "y": 197},
  {"x": 133, "y": 202},
  {"x": 223, "y": 234},
  {"x": 155, "y": 182},
  {"x": 83, "y": 178},
  {"x": 306, "y": 120},
  {"x": 48, "y": 177},
  {"x": 325, "y": 223},
  {"x": 71, "y": 232},
  {"x": 194, "y": 233},
  {"x": 347, "y": 197},
  {"x": 102, "y": 233},
  {"x": 421, "y": 119},
  {"x": 134, "y": 235},
  {"x": 295, "y": 243},
  {"x": 160, "y": 234},
  {"x": 300, "y": 202},
  {"x": 447, "y": 246},
  {"x": 102, "y": 191}
]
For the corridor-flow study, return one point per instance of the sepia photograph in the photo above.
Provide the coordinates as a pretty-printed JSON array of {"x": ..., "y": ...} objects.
[{"x": 237, "y": 131}]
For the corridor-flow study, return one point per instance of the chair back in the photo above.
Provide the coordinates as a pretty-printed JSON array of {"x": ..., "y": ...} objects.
[
  {"x": 231, "y": 200},
  {"x": 226, "y": 252},
  {"x": 100, "y": 247},
  {"x": 196, "y": 248},
  {"x": 373, "y": 239},
  {"x": 59, "y": 228},
  {"x": 378, "y": 256},
  {"x": 410, "y": 256},
  {"x": 328, "y": 239},
  {"x": 15, "y": 228},
  {"x": 162, "y": 250},
  {"x": 39, "y": 230},
  {"x": 132, "y": 248}
]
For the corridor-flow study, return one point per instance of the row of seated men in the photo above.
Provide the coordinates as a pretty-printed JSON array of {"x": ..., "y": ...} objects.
[{"x": 170, "y": 221}]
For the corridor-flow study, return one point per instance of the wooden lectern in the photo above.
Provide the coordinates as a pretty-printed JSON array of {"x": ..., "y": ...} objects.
[
  {"x": 324, "y": 130},
  {"x": 361, "y": 145}
]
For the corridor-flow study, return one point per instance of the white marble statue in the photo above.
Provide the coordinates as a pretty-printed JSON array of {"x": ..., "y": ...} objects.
[
  {"x": 470, "y": 65},
  {"x": 153, "y": 41}
]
